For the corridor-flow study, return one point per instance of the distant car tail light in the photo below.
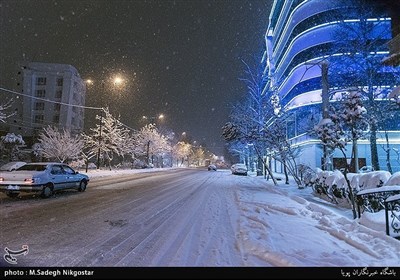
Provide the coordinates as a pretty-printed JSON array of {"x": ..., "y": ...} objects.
[{"x": 29, "y": 180}]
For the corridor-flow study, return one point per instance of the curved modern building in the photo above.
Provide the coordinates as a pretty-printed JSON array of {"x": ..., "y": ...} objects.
[{"x": 306, "y": 36}]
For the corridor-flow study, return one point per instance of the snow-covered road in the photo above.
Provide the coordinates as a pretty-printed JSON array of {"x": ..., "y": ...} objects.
[
  {"x": 188, "y": 217},
  {"x": 177, "y": 218}
]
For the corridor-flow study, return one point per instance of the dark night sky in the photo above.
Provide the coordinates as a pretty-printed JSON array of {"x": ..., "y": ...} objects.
[{"x": 181, "y": 58}]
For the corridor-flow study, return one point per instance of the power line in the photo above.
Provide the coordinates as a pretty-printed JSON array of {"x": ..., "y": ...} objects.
[
  {"x": 62, "y": 103},
  {"x": 51, "y": 101}
]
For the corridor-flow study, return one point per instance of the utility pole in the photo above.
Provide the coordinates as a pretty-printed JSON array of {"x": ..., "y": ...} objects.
[{"x": 325, "y": 106}]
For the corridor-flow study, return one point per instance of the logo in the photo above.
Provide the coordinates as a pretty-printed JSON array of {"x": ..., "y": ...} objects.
[{"x": 10, "y": 254}]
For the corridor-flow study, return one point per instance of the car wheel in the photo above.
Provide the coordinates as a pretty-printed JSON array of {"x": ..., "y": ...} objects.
[
  {"x": 82, "y": 186},
  {"x": 47, "y": 191},
  {"x": 12, "y": 194}
]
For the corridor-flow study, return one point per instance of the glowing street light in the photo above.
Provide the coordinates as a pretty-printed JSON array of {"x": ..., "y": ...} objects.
[
  {"x": 159, "y": 117},
  {"x": 89, "y": 82},
  {"x": 118, "y": 81}
]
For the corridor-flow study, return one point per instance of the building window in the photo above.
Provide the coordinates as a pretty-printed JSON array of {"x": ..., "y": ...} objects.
[
  {"x": 40, "y": 93},
  {"x": 58, "y": 94},
  {"x": 57, "y": 107},
  {"x": 39, "y": 106},
  {"x": 41, "y": 81},
  {"x": 56, "y": 119},
  {"x": 39, "y": 118},
  {"x": 60, "y": 82}
]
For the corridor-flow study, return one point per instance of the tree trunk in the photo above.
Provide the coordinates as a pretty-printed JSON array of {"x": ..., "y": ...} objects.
[
  {"x": 351, "y": 194},
  {"x": 270, "y": 174},
  {"x": 286, "y": 173},
  {"x": 374, "y": 149},
  {"x": 387, "y": 150},
  {"x": 266, "y": 166},
  {"x": 147, "y": 152},
  {"x": 355, "y": 155}
]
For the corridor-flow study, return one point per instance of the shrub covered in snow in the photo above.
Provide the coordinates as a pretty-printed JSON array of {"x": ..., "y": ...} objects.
[
  {"x": 307, "y": 175},
  {"x": 394, "y": 180},
  {"x": 372, "y": 190},
  {"x": 333, "y": 185},
  {"x": 374, "y": 179}
]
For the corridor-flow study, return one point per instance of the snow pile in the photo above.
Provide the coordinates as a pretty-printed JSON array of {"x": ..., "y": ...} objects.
[
  {"x": 278, "y": 227},
  {"x": 12, "y": 138},
  {"x": 335, "y": 180},
  {"x": 394, "y": 180},
  {"x": 374, "y": 179},
  {"x": 355, "y": 181}
]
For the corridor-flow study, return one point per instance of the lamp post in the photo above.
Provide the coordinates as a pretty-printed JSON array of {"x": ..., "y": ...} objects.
[{"x": 117, "y": 81}]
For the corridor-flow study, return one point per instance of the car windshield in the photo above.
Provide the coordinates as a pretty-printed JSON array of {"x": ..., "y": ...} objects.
[{"x": 32, "y": 167}]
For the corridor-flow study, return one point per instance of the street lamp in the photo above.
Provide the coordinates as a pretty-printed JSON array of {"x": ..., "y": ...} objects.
[
  {"x": 116, "y": 82},
  {"x": 160, "y": 117}
]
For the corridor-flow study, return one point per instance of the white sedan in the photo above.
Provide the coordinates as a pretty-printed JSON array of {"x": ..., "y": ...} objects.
[
  {"x": 43, "y": 178},
  {"x": 239, "y": 169}
]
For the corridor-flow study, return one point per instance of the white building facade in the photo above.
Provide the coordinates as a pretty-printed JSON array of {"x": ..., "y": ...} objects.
[{"x": 53, "y": 95}]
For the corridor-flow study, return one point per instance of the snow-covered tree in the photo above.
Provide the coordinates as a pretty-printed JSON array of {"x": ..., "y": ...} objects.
[
  {"x": 280, "y": 146},
  {"x": 360, "y": 42},
  {"x": 181, "y": 152},
  {"x": 11, "y": 144},
  {"x": 108, "y": 138},
  {"x": 37, "y": 151},
  {"x": 345, "y": 124},
  {"x": 394, "y": 97},
  {"x": 3, "y": 108},
  {"x": 198, "y": 155},
  {"x": 152, "y": 143},
  {"x": 60, "y": 145},
  {"x": 248, "y": 118},
  {"x": 389, "y": 110}
]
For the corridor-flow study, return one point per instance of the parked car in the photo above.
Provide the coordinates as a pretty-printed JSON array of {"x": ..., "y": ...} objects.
[
  {"x": 212, "y": 167},
  {"x": 11, "y": 166},
  {"x": 239, "y": 169},
  {"x": 366, "y": 169},
  {"x": 43, "y": 178}
]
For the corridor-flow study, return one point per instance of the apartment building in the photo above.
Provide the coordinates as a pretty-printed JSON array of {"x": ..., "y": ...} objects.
[
  {"x": 308, "y": 41},
  {"x": 53, "y": 94}
]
